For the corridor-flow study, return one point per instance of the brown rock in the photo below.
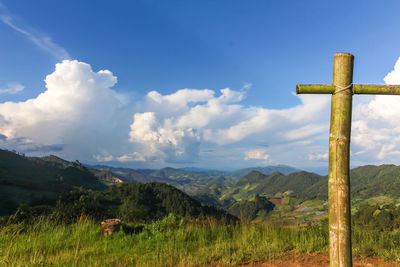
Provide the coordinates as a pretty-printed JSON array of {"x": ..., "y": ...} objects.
[{"x": 108, "y": 227}]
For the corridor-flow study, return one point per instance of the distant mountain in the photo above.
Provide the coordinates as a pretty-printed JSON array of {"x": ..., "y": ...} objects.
[
  {"x": 187, "y": 181},
  {"x": 24, "y": 179},
  {"x": 131, "y": 175},
  {"x": 273, "y": 184},
  {"x": 284, "y": 169},
  {"x": 366, "y": 182},
  {"x": 190, "y": 181},
  {"x": 207, "y": 171}
]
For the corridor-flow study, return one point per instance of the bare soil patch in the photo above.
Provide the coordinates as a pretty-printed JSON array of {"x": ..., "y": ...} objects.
[
  {"x": 319, "y": 260},
  {"x": 277, "y": 201}
]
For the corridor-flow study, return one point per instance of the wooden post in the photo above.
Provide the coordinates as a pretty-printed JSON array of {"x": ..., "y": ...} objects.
[
  {"x": 342, "y": 90},
  {"x": 339, "y": 162}
]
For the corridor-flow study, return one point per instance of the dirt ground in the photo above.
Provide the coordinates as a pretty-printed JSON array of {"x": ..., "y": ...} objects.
[{"x": 320, "y": 261}]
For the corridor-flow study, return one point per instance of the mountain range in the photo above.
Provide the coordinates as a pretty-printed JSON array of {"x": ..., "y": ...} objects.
[
  {"x": 41, "y": 179},
  {"x": 190, "y": 179},
  {"x": 366, "y": 182}
]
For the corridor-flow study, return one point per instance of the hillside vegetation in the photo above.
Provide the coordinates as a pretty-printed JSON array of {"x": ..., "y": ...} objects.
[
  {"x": 163, "y": 226},
  {"x": 129, "y": 202},
  {"x": 366, "y": 182},
  {"x": 190, "y": 180},
  {"x": 24, "y": 179},
  {"x": 254, "y": 183}
]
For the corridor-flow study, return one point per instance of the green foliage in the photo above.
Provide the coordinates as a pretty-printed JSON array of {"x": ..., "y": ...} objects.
[
  {"x": 373, "y": 217},
  {"x": 175, "y": 241},
  {"x": 33, "y": 180},
  {"x": 172, "y": 241},
  {"x": 250, "y": 209},
  {"x": 130, "y": 202},
  {"x": 258, "y": 183},
  {"x": 366, "y": 182}
]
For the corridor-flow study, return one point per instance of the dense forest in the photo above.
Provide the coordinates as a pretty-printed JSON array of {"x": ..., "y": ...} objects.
[{"x": 137, "y": 203}]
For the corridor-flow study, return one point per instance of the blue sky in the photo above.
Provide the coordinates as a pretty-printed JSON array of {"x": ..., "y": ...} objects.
[{"x": 258, "y": 49}]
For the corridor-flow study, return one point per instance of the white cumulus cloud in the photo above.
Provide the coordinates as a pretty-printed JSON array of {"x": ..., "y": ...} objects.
[
  {"x": 174, "y": 127},
  {"x": 375, "y": 127},
  {"x": 78, "y": 109},
  {"x": 80, "y": 116}
]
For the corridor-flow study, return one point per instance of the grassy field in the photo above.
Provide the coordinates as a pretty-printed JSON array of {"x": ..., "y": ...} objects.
[{"x": 175, "y": 242}]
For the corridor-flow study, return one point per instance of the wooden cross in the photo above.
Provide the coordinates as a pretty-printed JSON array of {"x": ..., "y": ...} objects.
[{"x": 342, "y": 90}]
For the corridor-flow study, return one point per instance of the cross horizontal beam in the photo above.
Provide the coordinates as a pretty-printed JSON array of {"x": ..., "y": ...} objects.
[{"x": 361, "y": 89}]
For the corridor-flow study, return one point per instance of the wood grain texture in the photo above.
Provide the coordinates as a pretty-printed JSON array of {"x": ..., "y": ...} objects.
[
  {"x": 358, "y": 89},
  {"x": 339, "y": 164}
]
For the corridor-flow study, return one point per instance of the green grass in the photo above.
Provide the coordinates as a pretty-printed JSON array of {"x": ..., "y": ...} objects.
[{"x": 174, "y": 242}]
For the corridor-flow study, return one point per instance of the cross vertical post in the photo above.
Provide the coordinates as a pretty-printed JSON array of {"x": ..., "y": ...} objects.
[
  {"x": 339, "y": 161},
  {"x": 342, "y": 91}
]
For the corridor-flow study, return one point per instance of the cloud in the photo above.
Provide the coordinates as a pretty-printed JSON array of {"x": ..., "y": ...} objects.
[
  {"x": 80, "y": 116},
  {"x": 323, "y": 156},
  {"x": 164, "y": 140},
  {"x": 393, "y": 77},
  {"x": 175, "y": 132},
  {"x": 12, "y": 88},
  {"x": 26, "y": 145},
  {"x": 40, "y": 39},
  {"x": 133, "y": 157},
  {"x": 278, "y": 124},
  {"x": 78, "y": 109},
  {"x": 375, "y": 128},
  {"x": 256, "y": 154}
]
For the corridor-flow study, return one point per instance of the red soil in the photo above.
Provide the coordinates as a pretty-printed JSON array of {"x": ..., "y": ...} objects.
[
  {"x": 298, "y": 208},
  {"x": 319, "y": 261},
  {"x": 277, "y": 201}
]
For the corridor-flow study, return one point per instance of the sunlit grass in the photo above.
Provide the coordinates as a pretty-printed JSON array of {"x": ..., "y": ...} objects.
[{"x": 174, "y": 242}]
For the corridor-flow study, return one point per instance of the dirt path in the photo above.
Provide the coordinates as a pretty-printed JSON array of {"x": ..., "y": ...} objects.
[{"x": 320, "y": 261}]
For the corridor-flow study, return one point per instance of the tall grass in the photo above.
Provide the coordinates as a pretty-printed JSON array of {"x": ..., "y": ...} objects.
[{"x": 171, "y": 242}]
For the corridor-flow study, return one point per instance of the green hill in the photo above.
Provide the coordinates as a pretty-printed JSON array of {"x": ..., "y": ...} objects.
[
  {"x": 284, "y": 169},
  {"x": 273, "y": 184},
  {"x": 211, "y": 194},
  {"x": 252, "y": 208},
  {"x": 369, "y": 184},
  {"x": 130, "y": 202},
  {"x": 190, "y": 178},
  {"x": 185, "y": 180},
  {"x": 366, "y": 182},
  {"x": 24, "y": 179}
]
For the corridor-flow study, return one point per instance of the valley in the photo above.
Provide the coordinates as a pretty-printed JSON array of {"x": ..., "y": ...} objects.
[{"x": 160, "y": 206}]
